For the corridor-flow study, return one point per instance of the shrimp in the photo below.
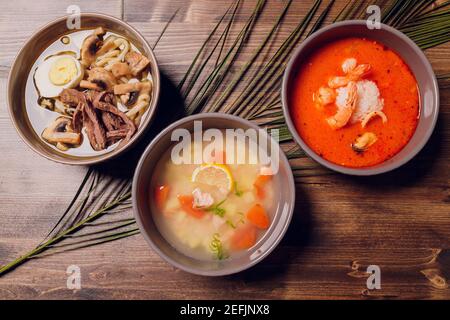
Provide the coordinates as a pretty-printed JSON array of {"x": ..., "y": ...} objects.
[
  {"x": 324, "y": 96},
  {"x": 337, "y": 82},
  {"x": 348, "y": 65},
  {"x": 353, "y": 74},
  {"x": 359, "y": 72},
  {"x": 344, "y": 114}
]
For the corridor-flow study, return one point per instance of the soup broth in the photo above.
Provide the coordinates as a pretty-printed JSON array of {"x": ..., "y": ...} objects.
[{"x": 214, "y": 210}]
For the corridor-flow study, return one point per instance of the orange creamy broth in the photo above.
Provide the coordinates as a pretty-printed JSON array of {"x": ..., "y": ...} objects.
[{"x": 397, "y": 86}]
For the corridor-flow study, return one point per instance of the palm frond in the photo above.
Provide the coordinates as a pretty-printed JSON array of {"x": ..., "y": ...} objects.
[
  {"x": 197, "y": 69},
  {"x": 232, "y": 85},
  {"x": 208, "y": 87},
  {"x": 256, "y": 85},
  {"x": 164, "y": 29},
  {"x": 203, "y": 48}
]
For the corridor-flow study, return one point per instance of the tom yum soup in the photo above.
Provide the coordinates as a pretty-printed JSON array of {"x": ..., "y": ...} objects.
[
  {"x": 355, "y": 102},
  {"x": 218, "y": 207}
]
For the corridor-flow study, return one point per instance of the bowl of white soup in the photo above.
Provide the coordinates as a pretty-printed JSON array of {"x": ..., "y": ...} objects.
[{"x": 213, "y": 194}]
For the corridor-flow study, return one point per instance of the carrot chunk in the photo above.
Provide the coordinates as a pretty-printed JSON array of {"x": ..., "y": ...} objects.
[
  {"x": 161, "y": 194},
  {"x": 187, "y": 204},
  {"x": 259, "y": 185},
  {"x": 258, "y": 217},
  {"x": 244, "y": 238}
]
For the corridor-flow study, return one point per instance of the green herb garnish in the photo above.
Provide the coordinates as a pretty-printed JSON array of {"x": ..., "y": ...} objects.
[
  {"x": 237, "y": 192},
  {"x": 217, "y": 209},
  {"x": 231, "y": 224},
  {"x": 241, "y": 219},
  {"x": 217, "y": 247}
]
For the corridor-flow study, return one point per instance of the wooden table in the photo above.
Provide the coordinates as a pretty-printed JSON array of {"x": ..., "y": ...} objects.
[{"x": 399, "y": 221}]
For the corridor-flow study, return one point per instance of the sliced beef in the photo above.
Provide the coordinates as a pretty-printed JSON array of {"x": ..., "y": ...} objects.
[
  {"x": 117, "y": 134},
  {"x": 72, "y": 97},
  {"x": 96, "y": 111},
  {"x": 111, "y": 121},
  {"x": 77, "y": 118},
  {"x": 96, "y": 132},
  {"x": 101, "y": 104}
]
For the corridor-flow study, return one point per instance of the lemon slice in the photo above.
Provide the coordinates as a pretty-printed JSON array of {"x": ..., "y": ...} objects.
[{"x": 214, "y": 174}]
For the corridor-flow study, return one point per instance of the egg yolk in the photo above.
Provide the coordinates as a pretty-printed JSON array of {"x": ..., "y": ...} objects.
[{"x": 63, "y": 71}]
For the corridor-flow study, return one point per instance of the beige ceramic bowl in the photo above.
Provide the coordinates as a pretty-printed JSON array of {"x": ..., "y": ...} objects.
[
  {"x": 143, "y": 212},
  {"x": 411, "y": 54},
  {"x": 31, "y": 51}
]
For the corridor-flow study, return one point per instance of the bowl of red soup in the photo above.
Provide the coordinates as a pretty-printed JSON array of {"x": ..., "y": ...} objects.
[
  {"x": 360, "y": 101},
  {"x": 213, "y": 194}
]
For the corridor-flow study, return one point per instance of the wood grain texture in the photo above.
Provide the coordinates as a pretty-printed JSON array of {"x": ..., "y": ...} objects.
[{"x": 399, "y": 221}]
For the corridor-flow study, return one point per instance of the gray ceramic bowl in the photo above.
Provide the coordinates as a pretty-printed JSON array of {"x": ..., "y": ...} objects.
[
  {"x": 413, "y": 56},
  {"x": 22, "y": 66},
  {"x": 143, "y": 215}
]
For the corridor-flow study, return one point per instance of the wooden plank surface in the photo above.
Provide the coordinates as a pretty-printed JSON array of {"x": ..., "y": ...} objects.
[{"x": 399, "y": 221}]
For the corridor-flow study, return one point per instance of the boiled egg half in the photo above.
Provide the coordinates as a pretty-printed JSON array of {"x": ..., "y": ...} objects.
[{"x": 57, "y": 73}]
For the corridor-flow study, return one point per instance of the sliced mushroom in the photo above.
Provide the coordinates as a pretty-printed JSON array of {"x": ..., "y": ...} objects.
[
  {"x": 364, "y": 141},
  {"x": 61, "y": 131},
  {"x": 90, "y": 46},
  {"x": 99, "y": 32},
  {"x": 133, "y": 97},
  {"x": 90, "y": 85},
  {"x": 47, "y": 103},
  {"x": 104, "y": 79}
]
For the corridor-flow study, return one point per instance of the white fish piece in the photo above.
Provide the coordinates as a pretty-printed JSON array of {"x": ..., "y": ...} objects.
[
  {"x": 368, "y": 100},
  {"x": 202, "y": 199}
]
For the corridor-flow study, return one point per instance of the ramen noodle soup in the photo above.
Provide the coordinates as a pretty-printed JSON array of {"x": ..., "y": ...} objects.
[
  {"x": 215, "y": 209},
  {"x": 88, "y": 91},
  {"x": 355, "y": 102}
]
